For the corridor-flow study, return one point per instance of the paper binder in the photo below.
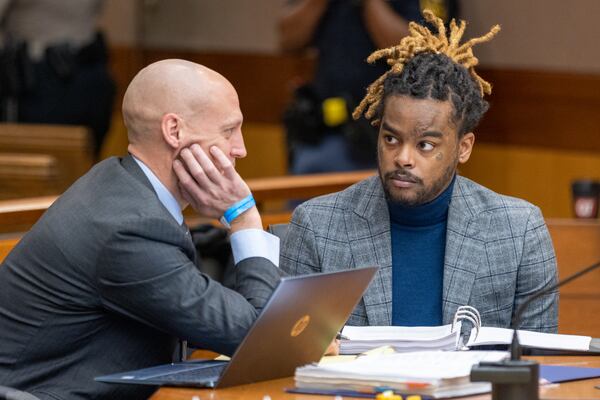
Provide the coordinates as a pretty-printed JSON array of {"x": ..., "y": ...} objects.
[
  {"x": 446, "y": 337},
  {"x": 465, "y": 313},
  {"x": 457, "y": 336},
  {"x": 482, "y": 336}
]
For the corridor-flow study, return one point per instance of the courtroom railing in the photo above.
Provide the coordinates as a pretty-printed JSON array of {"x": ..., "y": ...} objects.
[
  {"x": 20, "y": 214},
  {"x": 304, "y": 186}
]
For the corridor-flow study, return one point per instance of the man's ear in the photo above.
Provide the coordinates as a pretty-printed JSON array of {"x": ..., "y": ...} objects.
[
  {"x": 465, "y": 147},
  {"x": 170, "y": 126}
]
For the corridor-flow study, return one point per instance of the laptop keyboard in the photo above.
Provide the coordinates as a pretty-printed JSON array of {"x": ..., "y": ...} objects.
[{"x": 204, "y": 374}]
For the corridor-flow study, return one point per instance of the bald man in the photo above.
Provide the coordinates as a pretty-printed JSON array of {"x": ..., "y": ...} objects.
[{"x": 106, "y": 280}]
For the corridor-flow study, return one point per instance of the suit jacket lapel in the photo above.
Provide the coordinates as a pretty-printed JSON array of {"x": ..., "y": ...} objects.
[
  {"x": 465, "y": 249},
  {"x": 132, "y": 167},
  {"x": 368, "y": 227}
]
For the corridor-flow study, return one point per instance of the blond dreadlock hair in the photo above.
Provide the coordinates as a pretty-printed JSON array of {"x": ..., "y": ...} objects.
[{"x": 422, "y": 40}]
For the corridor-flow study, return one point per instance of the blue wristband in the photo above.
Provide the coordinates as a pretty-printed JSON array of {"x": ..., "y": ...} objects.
[{"x": 237, "y": 209}]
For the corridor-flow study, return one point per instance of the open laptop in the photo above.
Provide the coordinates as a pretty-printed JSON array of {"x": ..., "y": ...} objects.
[{"x": 299, "y": 321}]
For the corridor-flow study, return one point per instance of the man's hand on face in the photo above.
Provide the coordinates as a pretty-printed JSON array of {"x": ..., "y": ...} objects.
[{"x": 211, "y": 188}]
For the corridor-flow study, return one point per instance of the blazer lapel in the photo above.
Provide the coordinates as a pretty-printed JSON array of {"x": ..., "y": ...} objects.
[
  {"x": 132, "y": 167},
  {"x": 465, "y": 250},
  {"x": 368, "y": 226}
]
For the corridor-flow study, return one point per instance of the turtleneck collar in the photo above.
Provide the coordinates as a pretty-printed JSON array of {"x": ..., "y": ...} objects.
[{"x": 426, "y": 214}]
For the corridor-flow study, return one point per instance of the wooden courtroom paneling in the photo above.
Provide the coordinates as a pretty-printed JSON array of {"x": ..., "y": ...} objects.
[
  {"x": 267, "y": 152},
  {"x": 542, "y": 108},
  {"x": 26, "y": 175},
  {"x": 124, "y": 63},
  {"x": 548, "y": 119},
  {"x": 264, "y": 82},
  {"x": 70, "y": 145},
  {"x": 528, "y": 107},
  {"x": 577, "y": 245},
  {"x": 539, "y": 175}
]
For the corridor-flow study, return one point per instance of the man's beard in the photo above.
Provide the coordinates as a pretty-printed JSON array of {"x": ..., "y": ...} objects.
[{"x": 423, "y": 194}]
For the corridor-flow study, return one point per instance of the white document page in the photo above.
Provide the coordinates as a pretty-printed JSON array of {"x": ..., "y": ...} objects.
[
  {"x": 404, "y": 333},
  {"x": 439, "y": 374},
  {"x": 491, "y": 336},
  {"x": 358, "y": 339},
  {"x": 425, "y": 366}
]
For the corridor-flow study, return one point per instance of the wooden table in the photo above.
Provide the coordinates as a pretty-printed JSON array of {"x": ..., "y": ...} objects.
[{"x": 583, "y": 389}]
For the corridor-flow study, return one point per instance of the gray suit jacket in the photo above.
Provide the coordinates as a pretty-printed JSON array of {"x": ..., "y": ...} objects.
[
  {"x": 106, "y": 282},
  {"x": 498, "y": 252}
]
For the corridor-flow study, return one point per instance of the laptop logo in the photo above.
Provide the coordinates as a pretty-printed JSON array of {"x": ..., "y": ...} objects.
[{"x": 300, "y": 326}]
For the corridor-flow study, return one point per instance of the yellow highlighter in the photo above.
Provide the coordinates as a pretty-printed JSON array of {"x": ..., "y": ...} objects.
[{"x": 388, "y": 395}]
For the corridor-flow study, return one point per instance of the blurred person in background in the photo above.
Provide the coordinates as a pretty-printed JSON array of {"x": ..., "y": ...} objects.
[
  {"x": 53, "y": 65},
  {"x": 321, "y": 136}
]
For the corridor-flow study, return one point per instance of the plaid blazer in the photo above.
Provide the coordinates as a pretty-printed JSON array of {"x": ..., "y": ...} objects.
[{"x": 498, "y": 252}]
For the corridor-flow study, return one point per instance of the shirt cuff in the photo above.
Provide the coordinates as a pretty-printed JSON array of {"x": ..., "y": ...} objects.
[{"x": 254, "y": 243}]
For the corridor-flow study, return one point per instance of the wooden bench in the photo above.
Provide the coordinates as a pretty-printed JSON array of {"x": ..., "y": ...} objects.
[
  {"x": 69, "y": 145},
  {"x": 27, "y": 175}
]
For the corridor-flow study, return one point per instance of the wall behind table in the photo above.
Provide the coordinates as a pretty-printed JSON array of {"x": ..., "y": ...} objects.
[
  {"x": 542, "y": 130},
  {"x": 539, "y": 175},
  {"x": 551, "y": 109},
  {"x": 264, "y": 84},
  {"x": 544, "y": 105},
  {"x": 577, "y": 245}
]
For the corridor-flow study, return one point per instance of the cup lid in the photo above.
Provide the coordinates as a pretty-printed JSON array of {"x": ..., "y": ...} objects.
[{"x": 585, "y": 187}]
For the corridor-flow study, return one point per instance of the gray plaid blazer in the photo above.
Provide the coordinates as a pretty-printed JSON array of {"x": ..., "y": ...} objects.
[{"x": 498, "y": 252}]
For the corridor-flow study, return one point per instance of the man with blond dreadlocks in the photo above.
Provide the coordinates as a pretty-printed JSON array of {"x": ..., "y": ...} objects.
[{"x": 441, "y": 241}]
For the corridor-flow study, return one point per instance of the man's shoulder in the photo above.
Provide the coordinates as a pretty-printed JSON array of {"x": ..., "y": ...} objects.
[
  {"x": 107, "y": 194},
  {"x": 479, "y": 199}
]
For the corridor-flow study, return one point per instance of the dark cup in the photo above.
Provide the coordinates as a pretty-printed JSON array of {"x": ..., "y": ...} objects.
[{"x": 585, "y": 198}]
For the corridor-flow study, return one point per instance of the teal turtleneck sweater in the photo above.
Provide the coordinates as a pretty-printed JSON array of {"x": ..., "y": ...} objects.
[{"x": 418, "y": 248}]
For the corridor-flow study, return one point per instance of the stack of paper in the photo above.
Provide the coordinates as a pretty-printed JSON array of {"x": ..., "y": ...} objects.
[
  {"x": 432, "y": 373},
  {"x": 363, "y": 338}
]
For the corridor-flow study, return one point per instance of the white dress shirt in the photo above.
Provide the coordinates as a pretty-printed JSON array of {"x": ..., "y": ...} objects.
[{"x": 244, "y": 244}]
